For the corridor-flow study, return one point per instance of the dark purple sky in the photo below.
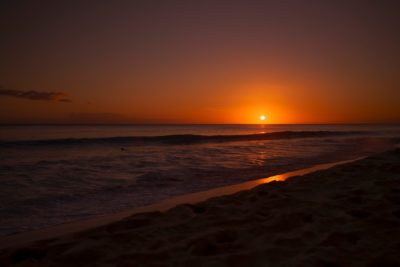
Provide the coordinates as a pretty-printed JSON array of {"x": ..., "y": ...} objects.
[{"x": 200, "y": 61}]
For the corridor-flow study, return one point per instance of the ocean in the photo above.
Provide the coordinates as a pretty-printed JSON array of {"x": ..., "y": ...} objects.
[{"x": 51, "y": 175}]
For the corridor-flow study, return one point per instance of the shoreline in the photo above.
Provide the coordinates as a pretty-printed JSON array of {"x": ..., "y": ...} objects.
[
  {"x": 346, "y": 215},
  {"x": 164, "y": 205}
]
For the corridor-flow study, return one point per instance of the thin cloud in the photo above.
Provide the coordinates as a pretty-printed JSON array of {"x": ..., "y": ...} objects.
[
  {"x": 36, "y": 95},
  {"x": 98, "y": 118}
]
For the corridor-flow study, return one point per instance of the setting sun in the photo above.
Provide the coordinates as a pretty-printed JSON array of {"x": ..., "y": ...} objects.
[{"x": 143, "y": 102}]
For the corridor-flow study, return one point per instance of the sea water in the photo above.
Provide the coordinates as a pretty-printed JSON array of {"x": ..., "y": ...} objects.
[{"x": 56, "y": 174}]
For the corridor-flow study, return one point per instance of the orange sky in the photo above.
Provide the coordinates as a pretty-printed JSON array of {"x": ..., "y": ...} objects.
[{"x": 200, "y": 62}]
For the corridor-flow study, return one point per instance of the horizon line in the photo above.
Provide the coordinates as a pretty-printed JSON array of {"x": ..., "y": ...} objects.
[{"x": 188, "y": 124}]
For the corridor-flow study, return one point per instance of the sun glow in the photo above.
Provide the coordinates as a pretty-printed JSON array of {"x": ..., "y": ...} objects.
[{"x": 262, "y": 118}]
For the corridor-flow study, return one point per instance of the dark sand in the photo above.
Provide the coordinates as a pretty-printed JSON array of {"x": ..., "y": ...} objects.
[{"x": 348, "y": 215}]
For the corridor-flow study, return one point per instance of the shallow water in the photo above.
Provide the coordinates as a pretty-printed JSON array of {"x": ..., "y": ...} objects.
[{"x": 56, "y": 174}]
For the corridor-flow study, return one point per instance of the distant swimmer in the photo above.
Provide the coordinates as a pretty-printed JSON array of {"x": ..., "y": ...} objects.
[{"x": 123, "y": 149}]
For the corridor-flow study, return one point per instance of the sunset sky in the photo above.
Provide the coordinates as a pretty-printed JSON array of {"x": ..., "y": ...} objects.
[{"x": 205, "y": 61}]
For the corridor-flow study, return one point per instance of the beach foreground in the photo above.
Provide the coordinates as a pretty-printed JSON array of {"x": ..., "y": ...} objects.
[{"x": 348, "y": 215}]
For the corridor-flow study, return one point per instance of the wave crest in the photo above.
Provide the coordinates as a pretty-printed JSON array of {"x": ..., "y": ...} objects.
[{"x": 183, "y": 138}]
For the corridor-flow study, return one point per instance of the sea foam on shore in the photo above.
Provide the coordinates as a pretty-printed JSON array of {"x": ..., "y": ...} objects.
[{"x": 71, "y": 175}]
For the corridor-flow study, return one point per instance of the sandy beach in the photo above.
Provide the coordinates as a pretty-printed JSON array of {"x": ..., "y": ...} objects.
[
  {"x": 200, "y": 133},
  {"x": 348, "y": 215}
]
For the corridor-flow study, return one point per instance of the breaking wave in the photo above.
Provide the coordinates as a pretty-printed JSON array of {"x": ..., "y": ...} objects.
[{"x": 185, "y": 138}]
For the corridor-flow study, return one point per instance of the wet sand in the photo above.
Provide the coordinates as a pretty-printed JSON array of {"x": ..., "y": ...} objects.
[
  {"x": 348, "y": 215},
  {"x": 192, "y": 198}
]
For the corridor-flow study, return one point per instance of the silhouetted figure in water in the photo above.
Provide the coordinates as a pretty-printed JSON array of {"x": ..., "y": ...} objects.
[{"x": 123, "y": 149}]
